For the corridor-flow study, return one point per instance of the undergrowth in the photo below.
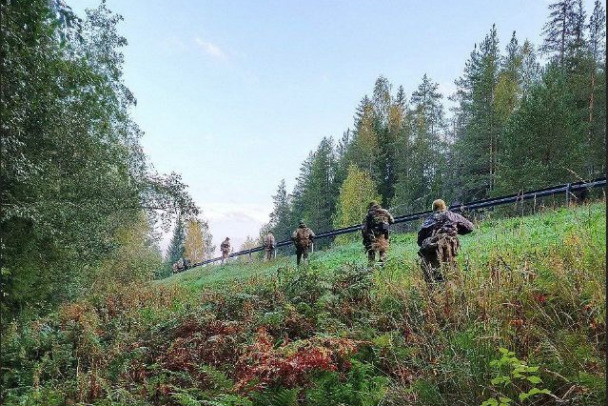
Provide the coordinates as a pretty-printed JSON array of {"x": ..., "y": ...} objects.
[{"x": 338, "y": 333}]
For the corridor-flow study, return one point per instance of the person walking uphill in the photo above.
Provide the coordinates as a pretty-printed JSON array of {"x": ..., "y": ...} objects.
[
  {"x": 303, "y": 238},
  {"x": 269, "y": 246},
  {"x": 438, "y": 240},
  {"x": 375, "y": 232},
  {"x": 225, "y": 248}
]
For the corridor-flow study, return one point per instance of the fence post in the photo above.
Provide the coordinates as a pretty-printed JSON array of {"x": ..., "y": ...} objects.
[{"x": 568, "y": 195}]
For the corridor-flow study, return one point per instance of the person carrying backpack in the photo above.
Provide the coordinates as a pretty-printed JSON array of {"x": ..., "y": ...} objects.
[
  {"x": 375, "y": 232},
  {"x": 303, "y": 238},
  {"x": 269, "y": 246},
  {"x": 438, "y": 240}
]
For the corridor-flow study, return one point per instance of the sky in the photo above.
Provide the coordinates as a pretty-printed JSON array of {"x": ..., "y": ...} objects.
[{"x": 235, "y": 94}]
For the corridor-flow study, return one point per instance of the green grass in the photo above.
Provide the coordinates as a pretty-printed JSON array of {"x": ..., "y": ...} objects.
[
  {"x": 515, "y": 237},
  {"x": 336, "y": 332}
]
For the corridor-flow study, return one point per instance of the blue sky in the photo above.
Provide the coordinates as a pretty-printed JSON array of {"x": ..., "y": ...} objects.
[{"x": 234, "y": 94}]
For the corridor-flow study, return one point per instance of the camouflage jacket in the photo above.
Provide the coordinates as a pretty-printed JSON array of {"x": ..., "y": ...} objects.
[
  {"x": 444, "y": 222},
  {"x": 303, "y": 237},
  {"x": 377, "y": 219},
  {"x": 269, "y": 241},
  {"x": 225, "y": 246}
]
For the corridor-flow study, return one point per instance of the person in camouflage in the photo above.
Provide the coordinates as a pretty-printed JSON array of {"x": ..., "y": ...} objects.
[
  {"x": 181, "y": 265},
  {"x": 269, "y": 246},
  {"x": 303, "y": 238},
  {"x": 375, "y": 232},
  {"x": 225, "y": 248},
  {"x": 438, "y": 240}
]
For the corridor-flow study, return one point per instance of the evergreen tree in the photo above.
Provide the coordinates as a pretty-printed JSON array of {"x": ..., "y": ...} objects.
[
  {"x": 530, "y": 68},
  {"x": 564, "y": 31},
  {"x": 596, "y": 138},
  {"x": 477, "y": 143},
  {"x": 421, "y": 173},
  {"x": 316, "y": 193},
  {"x": 543, "y": 138},
  {"x": 281, "y": 221},
  {"x": 176, "y": 244}
]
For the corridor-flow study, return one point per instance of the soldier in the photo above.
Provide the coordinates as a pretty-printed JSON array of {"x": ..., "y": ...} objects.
[
  {"x": 269, "y": 246},
  {"x": 375, "y": 232},
  {"x": 438, "y": 240},
  {"x": 225, "y": 248},
  {"x": 303, "y": 238}
]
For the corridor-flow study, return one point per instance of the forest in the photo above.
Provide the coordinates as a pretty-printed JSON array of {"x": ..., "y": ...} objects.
[
  {"x": 82, "y": 206},
  {"x": 526, "y": 116}
]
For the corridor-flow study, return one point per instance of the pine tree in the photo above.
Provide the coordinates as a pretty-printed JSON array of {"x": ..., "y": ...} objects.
[
  {"x": 596, "y": 138},
  {"x": 421, "y": 172},
  {"x": 530, "y": 68},
  {"x": 477, "y": 143},
  {"x": 543, "y": 138},
  {"x": 564, "y": 31}
]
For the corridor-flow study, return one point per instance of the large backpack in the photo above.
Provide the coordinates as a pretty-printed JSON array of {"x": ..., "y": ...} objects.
[{"x": 375, "y": 225}]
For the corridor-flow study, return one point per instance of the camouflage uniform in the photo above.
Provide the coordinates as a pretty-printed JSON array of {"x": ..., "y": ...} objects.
[
  {"x": 438, "y": 241},
  {"x": 181, "y": 265},
  {"x": 375, "y": 232},
  {"x": 225, "y": 248},
  {"x": 269, "y": 246},
  {"x": 303, "y": 238}
]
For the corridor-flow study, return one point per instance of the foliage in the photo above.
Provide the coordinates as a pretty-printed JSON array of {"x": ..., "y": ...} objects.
[
  {"x": 357, "y": 191},
  {"x": 336, "y": 332},
  {"x": 198, "y": 244},
  {"x": 515, "y": 375},
  {"x": 73, "y": 174}
]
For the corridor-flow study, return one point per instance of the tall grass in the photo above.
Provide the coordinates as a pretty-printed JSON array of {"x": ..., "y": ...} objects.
[{"x": 262, "y": 333}]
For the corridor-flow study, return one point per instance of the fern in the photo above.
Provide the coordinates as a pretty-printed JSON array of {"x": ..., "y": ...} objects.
[{"x": 277, "y": 397}]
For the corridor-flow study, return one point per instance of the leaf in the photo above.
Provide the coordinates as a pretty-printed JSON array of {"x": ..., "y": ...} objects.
[
  {"x": 490, "y": 402},
  {"x": 534, "y": 379},
  {"x": 500, "y": 379}
]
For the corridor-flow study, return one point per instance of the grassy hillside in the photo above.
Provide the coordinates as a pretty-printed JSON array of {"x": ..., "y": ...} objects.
[{"x": 522, "y": 315}]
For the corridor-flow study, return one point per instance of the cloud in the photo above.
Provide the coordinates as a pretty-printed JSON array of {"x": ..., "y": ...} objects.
[
  {"x": 211, "y": 49},
  {"x": 236, "y": 212}
]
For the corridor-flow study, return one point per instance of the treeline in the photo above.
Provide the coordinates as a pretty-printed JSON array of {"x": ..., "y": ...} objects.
[
  {"x": 80, "y": 203},
  {"x": 517, "y": 124}
]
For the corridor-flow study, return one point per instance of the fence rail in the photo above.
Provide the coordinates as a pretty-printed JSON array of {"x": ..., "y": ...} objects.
[{"x": 568, "y": 189}]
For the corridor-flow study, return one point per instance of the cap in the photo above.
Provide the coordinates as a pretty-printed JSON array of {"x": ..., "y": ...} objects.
[{"x": 439, "y": 205}]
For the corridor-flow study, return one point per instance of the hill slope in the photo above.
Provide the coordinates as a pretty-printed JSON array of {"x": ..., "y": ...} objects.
[{"x": 335, "y": 333}]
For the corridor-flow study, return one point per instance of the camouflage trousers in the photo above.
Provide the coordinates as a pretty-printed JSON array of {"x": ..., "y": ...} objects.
[
  {"x": 436, "y": 252},
  {"x": 375, "y": 243},
  {"x": 301, "y": 252},
  {"x": 268, "y": 254}
]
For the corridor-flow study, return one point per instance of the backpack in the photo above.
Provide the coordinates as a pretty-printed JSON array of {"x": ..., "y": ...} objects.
[{"x": 375, "y": 225}]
